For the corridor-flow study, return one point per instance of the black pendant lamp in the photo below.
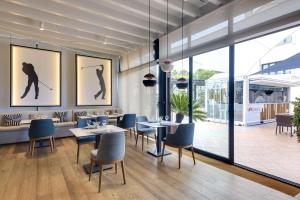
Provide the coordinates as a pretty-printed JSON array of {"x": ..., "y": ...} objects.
[
  {"x": 149, "y": 79},
  {"x": 182, "y": 83}
]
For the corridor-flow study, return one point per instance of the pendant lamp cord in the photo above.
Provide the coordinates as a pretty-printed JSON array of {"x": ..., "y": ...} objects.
[
  {"x": 167, "y": 29},
  {"x": 149, "y": 38},
  {"x": 182, "y": 38}
]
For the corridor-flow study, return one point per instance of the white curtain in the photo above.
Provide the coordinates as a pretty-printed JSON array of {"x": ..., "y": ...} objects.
[{"x": 134, "y": 97}]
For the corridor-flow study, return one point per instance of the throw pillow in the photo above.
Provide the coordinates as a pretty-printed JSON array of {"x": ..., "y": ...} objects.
[
  {"x": 61, "y": 115},
  {"x": 12, "y": 119},
  {"x": 80, "y": 113}
]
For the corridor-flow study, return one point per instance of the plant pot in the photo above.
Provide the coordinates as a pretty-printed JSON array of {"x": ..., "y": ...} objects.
[{"x": 179, "y": 117}]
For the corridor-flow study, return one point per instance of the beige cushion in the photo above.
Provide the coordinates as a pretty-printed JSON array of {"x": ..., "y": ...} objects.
[
  {"x": 14, "y": 128},
  {"x": 64, "y": 124}
]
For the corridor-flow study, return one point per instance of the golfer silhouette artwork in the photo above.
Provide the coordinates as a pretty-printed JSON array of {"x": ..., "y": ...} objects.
[
  {"x": 28, "y": 69},
  {"x": 102, "y": 90}
]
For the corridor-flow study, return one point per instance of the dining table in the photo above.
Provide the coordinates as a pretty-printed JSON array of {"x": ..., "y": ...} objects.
[
  {"x": 97, "y": 131},
  {"x": 160, "y": 126}
]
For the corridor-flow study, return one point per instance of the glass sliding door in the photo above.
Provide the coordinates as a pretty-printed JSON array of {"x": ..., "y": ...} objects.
[
  {"x": 210, "y": 93},
  {"x": 181, "y": 69},
  {"x": 267, "y": 73}
]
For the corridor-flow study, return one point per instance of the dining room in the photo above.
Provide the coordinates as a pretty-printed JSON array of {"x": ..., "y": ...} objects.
[{"x": 140, "y": 99}]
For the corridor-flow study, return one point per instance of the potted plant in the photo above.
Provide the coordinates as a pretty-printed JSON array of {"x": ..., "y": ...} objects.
[
  {"x": 296, "y": 117},
  {"x": 180, "y": 105}
]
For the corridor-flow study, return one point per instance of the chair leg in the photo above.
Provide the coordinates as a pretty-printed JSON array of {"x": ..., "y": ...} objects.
[
  {"x": 276, "y": 129},
  {"x": 91, "y": 169},
  {"x": 77, "y": 153},
  {"x": 32, "y": 148},
  {"x": 123, "y": 171},
  {"x": 53, "y": 141},
  {"x": 143, "y": 142},
  {"x": 147, "y": 139},
  {"x": 116, "y": 168},
  {"x": 51, "y": 144},
  {"x": 179, "y": 158},
  {"x": 130, "y": 132},
  {"x": 192, "y": 148},
  {"x": 100, "y": 176},
  {"x": 163, "y": 152},
  {"x": 136, "y": 140}
]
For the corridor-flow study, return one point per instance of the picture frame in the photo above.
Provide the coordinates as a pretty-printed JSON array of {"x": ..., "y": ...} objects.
[
  {"x": 93, "y": 81},
  {"x": 35, "y": 77}
]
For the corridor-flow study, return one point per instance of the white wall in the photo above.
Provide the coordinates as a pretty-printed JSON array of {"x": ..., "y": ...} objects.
[{"x": 68, "y": 82}]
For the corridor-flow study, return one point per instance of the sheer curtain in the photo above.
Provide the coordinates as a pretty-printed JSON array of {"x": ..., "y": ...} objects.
[{"x": 134, "y": 97}]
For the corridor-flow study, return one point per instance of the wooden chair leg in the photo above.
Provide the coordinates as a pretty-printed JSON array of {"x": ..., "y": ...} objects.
[
  {"x": 143, "y": 142},
  {"x": 100, "y": 176},
  {"x": 116, "y": 168},
  {"x": 77, "y": 153},
  {"x": 51, "y": 144},
  {"x": 179, "y": 158},
  {"x": 136, "y": 140},
  {"x": 162, "y": 153},
  {"x": 192, "y": 148},
  {"x": 53, "y": 141},
  {"x": 130, "y": 132},
  {"x": 276, "y": 129},
  {"x": 123, "y": 171},
  {"x": 147, "y": 139},
  {"x": 32, "y": 148},
  {"x": 91, "y": 169}
]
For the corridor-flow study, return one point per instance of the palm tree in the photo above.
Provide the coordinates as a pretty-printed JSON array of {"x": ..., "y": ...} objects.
[{"x": 180, "y": 105}]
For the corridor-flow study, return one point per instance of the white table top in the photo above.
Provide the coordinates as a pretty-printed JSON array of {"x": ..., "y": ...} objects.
[
  {"x": 80, "y": 132},
  {"x": 158, "y": 124},
  {"x": 28, "y": 121}
]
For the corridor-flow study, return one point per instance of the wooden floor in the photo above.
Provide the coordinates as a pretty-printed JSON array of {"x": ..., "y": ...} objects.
[{"x": 56, "y": 176}]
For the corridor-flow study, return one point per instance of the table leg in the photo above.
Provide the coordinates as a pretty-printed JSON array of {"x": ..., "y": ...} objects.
[
  {"x": 158, "y": 150},
  {"x": 96, "y": 167}
]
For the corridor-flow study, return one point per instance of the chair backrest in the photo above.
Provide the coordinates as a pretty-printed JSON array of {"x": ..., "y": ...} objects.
[
  {"x": 141, "y": 119},
  {"x": 101, "y": 119},
  {"x": 284, "y": 120},
  {"x": 184, "y": 135},
  {"x": 128, "y": 121},
  {"x": 111, "y": 147},
  {"x": 41, "y": 128},
  {"x": 81, "y": 123}
]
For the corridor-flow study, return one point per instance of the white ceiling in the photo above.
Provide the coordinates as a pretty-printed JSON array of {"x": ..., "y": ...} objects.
[{"x": 107, "y": 26}]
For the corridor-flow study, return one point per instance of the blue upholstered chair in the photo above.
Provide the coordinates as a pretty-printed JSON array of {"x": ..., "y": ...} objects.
[
  {"x": 182, "y": 138},
  {"x": 128, "y": 122},
  {"x": 111, "y": 150},
  {"x": 143, "y": 130},
  {"x": 81, "y": 123},
  {"x": 41, "y": 129},
  {"x": 101, "y": 119}
]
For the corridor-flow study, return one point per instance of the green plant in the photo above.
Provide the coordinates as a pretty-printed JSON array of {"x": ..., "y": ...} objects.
[
  {"x": 180, "y": 102},
  {"x": 296, "y": 118}
]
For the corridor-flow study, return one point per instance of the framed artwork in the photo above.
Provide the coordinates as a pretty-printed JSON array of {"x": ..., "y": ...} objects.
[
  {"x": 35, "y": 76},
  {"x": 93, "y": 81}
]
